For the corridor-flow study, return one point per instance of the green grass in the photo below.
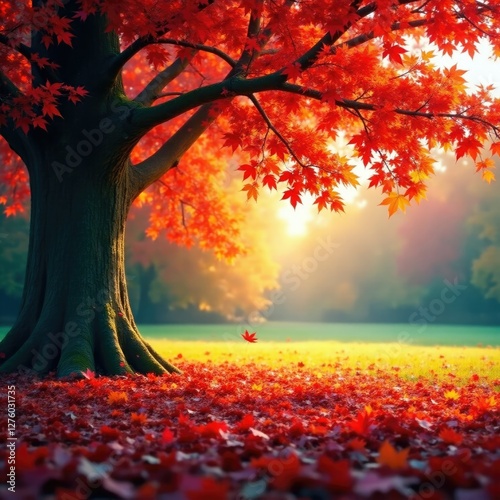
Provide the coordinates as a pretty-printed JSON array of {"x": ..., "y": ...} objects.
[
  {"x": 342, "y": 332},
  {"x": 461, "y": 335}
]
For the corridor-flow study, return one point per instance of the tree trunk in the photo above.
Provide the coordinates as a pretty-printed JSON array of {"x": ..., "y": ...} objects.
[{"x": 75, "y": 313}]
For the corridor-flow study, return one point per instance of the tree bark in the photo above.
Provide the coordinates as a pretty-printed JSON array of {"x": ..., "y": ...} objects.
[{"x": 75, "y": 313}]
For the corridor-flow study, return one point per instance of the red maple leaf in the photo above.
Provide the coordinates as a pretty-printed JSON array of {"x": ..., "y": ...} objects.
[
  {"x": 249, "y": 337},
  {"x": 394, "y": 53},
  {"x": 88, "y": 374}
]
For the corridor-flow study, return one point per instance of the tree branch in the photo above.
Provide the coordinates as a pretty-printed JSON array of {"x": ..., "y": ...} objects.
[
  {"x": 24, "y": 50},
  {"x": 151, "y": 91},
  {"x": 7, "y": 87},
  {"x": 248, "y": 54},
  {"x": 199, "y": 47},
  {"x": 146, "y": 118},
  {"x": 171, "y": 151},
  {"x": 350, "y": 104},
  {"x": 140, "y": 43},
  {"x": 365, "y": 37},
  {"x": 169, "y": 154},
  {"x": 309, "y": 57},
  {"x": 276, "y": 132}
]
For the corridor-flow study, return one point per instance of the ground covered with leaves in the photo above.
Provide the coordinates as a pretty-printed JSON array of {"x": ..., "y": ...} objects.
[{"x": 276, "y": 421}]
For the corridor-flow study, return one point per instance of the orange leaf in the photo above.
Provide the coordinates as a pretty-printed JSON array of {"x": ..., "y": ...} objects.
[
  {"x": 252, "y": 191},
  {"x": 394, "y": 459},
  {"x": 450, "y": 436},
  {"x": 396, "y": 202},
  {"x": 357, "y": 444},
  {"x": 488, "y": 176},
  {"x": 138, "y": 418},
  {"x": 117, "y": 397}
]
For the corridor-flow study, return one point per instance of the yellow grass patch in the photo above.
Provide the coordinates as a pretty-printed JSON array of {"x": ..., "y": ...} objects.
[{"x": 454, "y": 364}]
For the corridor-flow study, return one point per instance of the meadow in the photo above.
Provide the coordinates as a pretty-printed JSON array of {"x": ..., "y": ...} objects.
[{"x": 281, "y": 419}]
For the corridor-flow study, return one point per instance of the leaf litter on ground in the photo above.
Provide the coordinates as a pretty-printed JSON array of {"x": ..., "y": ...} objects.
[{"x": 262, "y": 426}]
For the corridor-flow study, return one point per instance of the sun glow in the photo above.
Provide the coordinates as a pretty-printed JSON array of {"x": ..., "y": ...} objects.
[{"x": 297, "y": 219}]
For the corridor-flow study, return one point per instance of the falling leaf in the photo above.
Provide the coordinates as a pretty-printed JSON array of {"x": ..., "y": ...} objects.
[{"x": 249, "y": 337}]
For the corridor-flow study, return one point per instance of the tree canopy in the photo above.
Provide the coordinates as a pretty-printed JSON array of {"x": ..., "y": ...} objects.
[
  {"x": 112, "y": 102},
  {"x": 281, "y": 80}
]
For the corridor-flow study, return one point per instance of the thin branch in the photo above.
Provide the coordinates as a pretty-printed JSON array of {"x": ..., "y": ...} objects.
[
  {"x": 365, "y": 37},
  {"x": 309, "y": 57},
  {"x": 183, "y": 215},
  {"x": 199, "y": 47},
  {"x": 248, "y": 54},
  {"x": 357, "y": 105},
  {"x": 169, "y": 94},
  {"x": 276, "y": 132},
  {"x": 150, "y": 92},
  {"x": 140, "y": 43}
]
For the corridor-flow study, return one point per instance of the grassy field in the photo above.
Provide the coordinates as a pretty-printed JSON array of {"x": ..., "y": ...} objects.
[
  {"x": 444, "y": 353},
  {"x": 461, "y": 335},
  {"x": 443, "y": 363},
  {"x": 457, "y": 335}
]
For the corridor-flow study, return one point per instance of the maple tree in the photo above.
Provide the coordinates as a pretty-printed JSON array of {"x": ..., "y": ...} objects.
[{"x": 104, "y": 99}]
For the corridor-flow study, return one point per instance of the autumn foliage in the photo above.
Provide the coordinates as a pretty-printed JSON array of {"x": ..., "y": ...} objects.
[
  {"x": 109, "y": 103},
  {"x": 287, "y": 82}
]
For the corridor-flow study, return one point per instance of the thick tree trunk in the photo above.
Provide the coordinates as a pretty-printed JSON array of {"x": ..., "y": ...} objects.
[{"x": 75, "y": 312}]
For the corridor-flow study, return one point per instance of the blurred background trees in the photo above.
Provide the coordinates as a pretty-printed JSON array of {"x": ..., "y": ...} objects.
[{"x": 379, "y": 271}]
